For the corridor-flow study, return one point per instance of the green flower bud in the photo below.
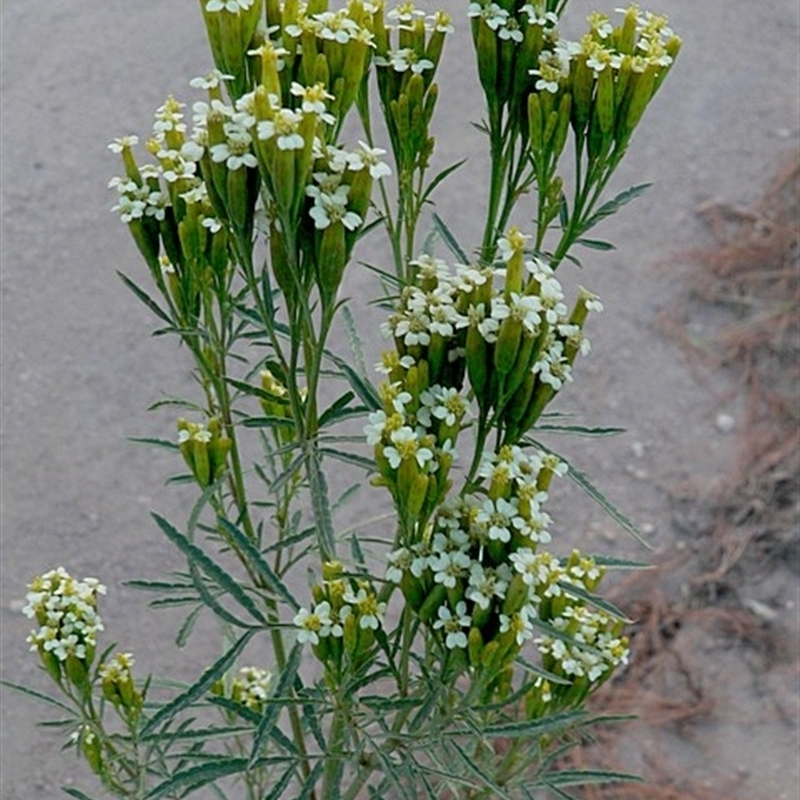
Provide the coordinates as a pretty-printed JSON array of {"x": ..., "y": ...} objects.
[
  {"x": 516, "y": 595},
  {"x": 413, "y": 590},
  {"x": 507, "y": 346},
  {"x": 475, "y": 647},
  {"x": 433, "y": 601},
  {"x": 582, "y": 91},
  {"x": 478, "y": 356},
  {"x": 331, "y": 260},
  {"x": 92, "y": 750}
]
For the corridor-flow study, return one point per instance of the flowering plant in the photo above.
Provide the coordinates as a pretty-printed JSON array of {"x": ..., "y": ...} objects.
[{"x": 453, "y": 649}]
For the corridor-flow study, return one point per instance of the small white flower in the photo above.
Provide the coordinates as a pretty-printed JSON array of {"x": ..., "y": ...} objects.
[{"x": 453, "y": 624}]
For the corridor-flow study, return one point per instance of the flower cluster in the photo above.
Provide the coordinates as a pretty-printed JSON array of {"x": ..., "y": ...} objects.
[
  {"x": 66, "y": 612},
  {"x": 204, "y": 448},
  {"x": 342, "y": 623},
  {"x": 118, "y": 685},
  {"x": 516, "y": 342},
  {"x": 251, "y": 688}
]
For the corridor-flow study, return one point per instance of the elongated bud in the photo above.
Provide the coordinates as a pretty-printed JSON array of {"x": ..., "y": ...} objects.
[
  {"x": 507, "y": 345},
  {"x": 433, "y": 601},
  {"x": 332, "y": 259}
]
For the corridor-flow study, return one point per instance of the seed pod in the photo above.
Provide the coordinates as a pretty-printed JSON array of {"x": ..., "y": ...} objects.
[
  {"x": 331, "y": 259},
  {"x": 477, "y": 362}
]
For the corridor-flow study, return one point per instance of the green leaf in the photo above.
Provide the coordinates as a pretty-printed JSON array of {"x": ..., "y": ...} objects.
[
  {"x": 595, "y": 600},
  {"x": 211, "y": 568},
  {"x": 157, "y": 586},
  {"x": 273, "y": 711},
  {"x": 516, "y": 729},
  {"x": 279, "y": 788},
  {"x": 619, "y": 563},
  {"x": 356, "y": 345},
  {"x": 582, "y": 777},
  {"x": 197, "y": 690},
  {"x": 73, "y": 792},
  {"x": 146, "y": 299},
  {"x": 350, "y": 458},
  {"x": 446, "y": 172},
  {"x": 615, "y": 513},
  {"x": 211, "y": 601},
  {"x": 321, "y": 507},
  {"x": 595, "y": 244},
  {"x": 311, "y": 781},
  {"x": 44, "y": 698},
  {"x": 267, "y": 422},
  {"x": 449, "y": 239},
  {"x": 337, "y": 409},
  {"x": 563, "y": 211},
  {"x": 361, "y": 386},
  {"x": 166, "y": 444},
  {"x": 185, "y": 631},
  {"x": 487, "y": 782},
  {"x": 578, "y": 430},
  {"x": 612, "y": 206},
  {"x": 201, "y": 775},
  {"x": 259, "y": 563}
]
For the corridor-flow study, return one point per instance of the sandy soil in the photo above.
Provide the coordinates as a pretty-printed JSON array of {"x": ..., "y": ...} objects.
[{"x": 79, "y": 370}]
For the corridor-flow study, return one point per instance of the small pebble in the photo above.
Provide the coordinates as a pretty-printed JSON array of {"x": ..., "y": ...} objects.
[
  {"x": 647, "y": 528},
  {"x": 762, "y": 610},
  {"x": 725, "y": 423}
]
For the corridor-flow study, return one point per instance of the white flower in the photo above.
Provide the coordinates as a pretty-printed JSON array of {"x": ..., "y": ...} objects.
[
  {"x": 370, "y": 611},
  {"x": 449, "y": 567},
  {"x": 232, "y": 6},
  {"x": 235, "y": 151},
  {"x": 519, "y": 624},
  {"x": 286, "y": 126},
  {"x": 367, "y": 156},
  {"x": 453, "y": 623},
  {"x": 118, "y": 145},
  {"x": 377, "y": 425},
  {"x": 210, "y": 81},
  {"x": 309, "y": 624}
]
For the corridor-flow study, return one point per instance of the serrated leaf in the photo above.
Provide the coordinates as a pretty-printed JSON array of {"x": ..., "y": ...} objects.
[
  {"x": 516, "y": 729},
  {"x": 267, "y": 422},
  {"x": 353, "y": 338},
  {"x": 213, "y": 570},
  {"x": 580, "y": 479},
  {"x": 578, "y": 430},
  {"x": 157, "y": 586},
  {"x": 283, "y": 782},
  {"x": 257, "y": 391},
  {"x": 321, "y": 507},
  {"x": 350, "y": 458},
  {"x": 210, "y": 601},
  {"x": 146, "y": 299},
  {"x": 273, "y": 711},
  {"x": 198, "y": 689},
  {"x": 195, "y": 777},
  {"x": 582, "y": 777},
  {"x": 37, "y": 695},
  {"x": 361, "y": 386},
  {"x": 337, "y": 410},
  {"x": 449, "y": 239},
  {"x": 259, "y": 563},
  {"x": 619, "y": 563},
  {"x": 185, "y": 631},
  {"x": 486, "y": 780},
  {"x": 595, "y": 600},
  {"x": 311, "y": 781},
  {"x": 612, "y": 206}
]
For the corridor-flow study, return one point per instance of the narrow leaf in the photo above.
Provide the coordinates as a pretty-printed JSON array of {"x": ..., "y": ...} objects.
[
  {"x": 283, "y": 782},
  {"x": 44, "y": 698},
  {"x": 259, "y": 563},
  {"x": 595, "y": 600},
  {"x": 185, "y": 631},
  {"x": 145, "y": 298},
  {"x": 595, "y": 244},
  {"x": 361, "y": 386},
  {"x": 166, "y": 444},
  {"x": 210, "y": 567},
  {"x": 311, "y": 781},
  {"x": 356, "y": 345},
  {"x": 267, "y": 422},
  {"x": 582, "y": 777},
  {"x": 612, "y": 206},
  {"x": 73, "y": 792},
  {"x": 321, "y": 507},
  {"x": 486, "y": 780},
  {"x": 350, "y": 458},
  {"x": 578, "y": 430},
  {"x": 449, "y": 239},
  {"x": 619, "y": 563},
  {"x": 439, "y": 178},
  {"x": 272, "y": 713},
  {"x": 332, "y": 412},
  {"x": 197, "y": 690}
]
